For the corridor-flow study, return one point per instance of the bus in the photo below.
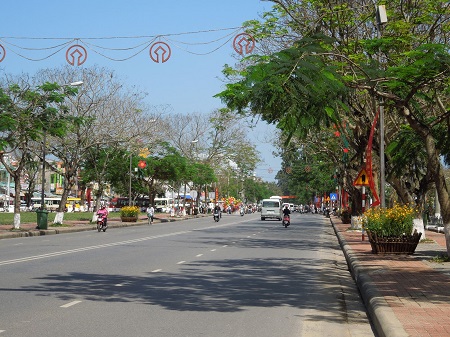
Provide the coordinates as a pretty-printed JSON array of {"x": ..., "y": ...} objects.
[
  {"x": 73, "y": 204},
  {"x": 50, "y": 204},
  {"x": 163, "y": 205},
  {"x": 117, "y": 203}
]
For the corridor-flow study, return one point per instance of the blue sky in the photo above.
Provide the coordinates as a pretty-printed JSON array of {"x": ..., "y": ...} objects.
[{"x": 186, "y": 81}]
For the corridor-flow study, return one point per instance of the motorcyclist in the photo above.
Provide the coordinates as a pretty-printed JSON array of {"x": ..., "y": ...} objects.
[
  {"x": 218, "y": 210},
  {"x": 103, "y": 213},
  {"x": 286, "y": 211}
]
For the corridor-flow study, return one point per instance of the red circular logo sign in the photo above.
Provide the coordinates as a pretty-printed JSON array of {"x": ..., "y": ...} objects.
[
  {"x": 243, "y": 43},
  {"x": 76, "y": 55},
  {"x": 160, "y": 52},
  {"x": 2, "y": 53}
]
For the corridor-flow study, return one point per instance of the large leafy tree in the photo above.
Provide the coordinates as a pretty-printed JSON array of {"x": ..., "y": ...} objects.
[
  {"x": 405, "y": 63},
  {"x": 29, "y": 115},
  {"x": 165, "y": 165}
]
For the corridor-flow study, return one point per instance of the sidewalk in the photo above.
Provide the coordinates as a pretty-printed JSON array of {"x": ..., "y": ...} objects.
[
  {"x": 29, "y": 229},
  {"x": 405, "y": 295}
]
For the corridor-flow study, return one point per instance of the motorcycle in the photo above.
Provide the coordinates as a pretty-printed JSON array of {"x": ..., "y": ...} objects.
[
  {"x": 216, "y": 216},
  {"x": 101, "y": 223},
  {"x": 286, "y": 221},
  {"x": 242, "y": 212}
]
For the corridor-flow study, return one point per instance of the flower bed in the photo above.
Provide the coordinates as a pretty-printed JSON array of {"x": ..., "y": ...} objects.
[
  {"x": 390, "y": 229},
  {"x": 129, "y": 213}
]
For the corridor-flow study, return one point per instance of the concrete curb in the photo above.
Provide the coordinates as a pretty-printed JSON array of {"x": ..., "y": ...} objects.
[{"x": 383, "y": 318}]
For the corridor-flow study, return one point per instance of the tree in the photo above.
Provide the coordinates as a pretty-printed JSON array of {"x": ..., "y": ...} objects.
[
  {"x": 164, "y": 166},
  {"x": 215, "y": 140},
  {"x": 116, "y": 115},
  {"x": 202, "y": 175},
  {"x": 29, "y": 115},
  {"x": 407, "y": 66}
]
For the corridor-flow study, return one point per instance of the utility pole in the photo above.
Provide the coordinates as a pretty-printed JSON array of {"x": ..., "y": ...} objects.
[{"x": 381, "y": 18}]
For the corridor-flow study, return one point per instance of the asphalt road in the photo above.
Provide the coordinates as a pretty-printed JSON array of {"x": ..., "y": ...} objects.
[{"x": 239, "y": 277}]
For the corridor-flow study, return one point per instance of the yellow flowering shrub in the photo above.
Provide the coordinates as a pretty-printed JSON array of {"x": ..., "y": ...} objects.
[
  {"x": 394, "y": 221},
  {"x": 129, "y": 211}
]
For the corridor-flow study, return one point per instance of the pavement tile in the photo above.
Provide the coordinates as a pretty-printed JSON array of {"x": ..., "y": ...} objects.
[{"x": 411, "y": 287}]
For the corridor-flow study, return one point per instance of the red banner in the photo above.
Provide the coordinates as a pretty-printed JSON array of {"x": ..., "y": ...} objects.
[
  {"x": 369, "y": 163},
  {"x": 88, "y": 196}
]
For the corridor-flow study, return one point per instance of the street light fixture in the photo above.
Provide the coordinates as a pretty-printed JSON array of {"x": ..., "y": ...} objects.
[{"x": 42, "y": 213}]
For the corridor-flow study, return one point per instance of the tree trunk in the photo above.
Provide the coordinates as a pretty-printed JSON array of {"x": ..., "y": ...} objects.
[
  {"x": 59, "y": 217},
  {"x": 437, "y": 171},
  {"x": 401, "y": 190},
  {"x": 17, "y": 190}
]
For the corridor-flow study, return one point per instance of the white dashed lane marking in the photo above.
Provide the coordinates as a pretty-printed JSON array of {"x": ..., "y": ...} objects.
[{"x": 70, "y": 304}]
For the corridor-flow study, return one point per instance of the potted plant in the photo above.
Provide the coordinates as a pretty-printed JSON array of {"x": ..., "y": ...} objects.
[
  {"x": 390, "y": 229},
  {"x": 129, "y": 213}
]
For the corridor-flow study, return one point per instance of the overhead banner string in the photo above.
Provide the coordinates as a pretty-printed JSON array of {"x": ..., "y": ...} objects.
[{"x": 158, "y": 46}]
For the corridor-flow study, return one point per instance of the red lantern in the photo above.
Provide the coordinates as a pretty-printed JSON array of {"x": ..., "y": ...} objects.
[{"x": 142, "y": 164}]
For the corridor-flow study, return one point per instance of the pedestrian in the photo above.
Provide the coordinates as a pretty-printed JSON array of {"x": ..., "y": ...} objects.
[{"x": 150, "y": 214}]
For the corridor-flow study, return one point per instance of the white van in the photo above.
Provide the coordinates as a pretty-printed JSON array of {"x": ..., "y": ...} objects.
[{"x": 271, "y": 209}]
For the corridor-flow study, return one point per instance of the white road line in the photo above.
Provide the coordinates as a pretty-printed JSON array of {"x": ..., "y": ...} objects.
[
  {"x": 213, "y": 250},
  {"x": 2, "y": 331},
  {"x": 225, "y": 246},
  {"x": 198, "y": 255},
  {"x": 83, "y": 249},
  {"x": 70, "y": 304},
  {"x": 156, "y": 270},
  {"x": 181, "y": 262}
]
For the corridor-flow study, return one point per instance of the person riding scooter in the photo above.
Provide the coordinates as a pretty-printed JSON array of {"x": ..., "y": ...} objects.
[
  {"x": 286, "y": 215},
  {"x": 103, "y": 213},
  {"x": 218, "y": 210}
]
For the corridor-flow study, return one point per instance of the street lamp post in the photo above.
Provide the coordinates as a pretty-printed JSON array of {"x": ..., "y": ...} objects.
[
  {"x": 381, "y": 18},
  {"x": 42, "y": 212}
]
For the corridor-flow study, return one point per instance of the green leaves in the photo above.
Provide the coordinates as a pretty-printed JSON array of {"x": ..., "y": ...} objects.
[{"x": 295, "y": 89}]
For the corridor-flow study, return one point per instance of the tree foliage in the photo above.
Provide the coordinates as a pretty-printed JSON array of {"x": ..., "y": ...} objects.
[{"x": 404, "y": 62}]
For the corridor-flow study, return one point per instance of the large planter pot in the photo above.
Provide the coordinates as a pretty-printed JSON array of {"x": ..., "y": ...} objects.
[
  {"x": 405, "y": 244},
  {"x": 128, "y": 218}
]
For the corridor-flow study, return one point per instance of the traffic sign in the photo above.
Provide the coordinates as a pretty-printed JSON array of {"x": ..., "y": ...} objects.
[{"x": 362, "y": 179}]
